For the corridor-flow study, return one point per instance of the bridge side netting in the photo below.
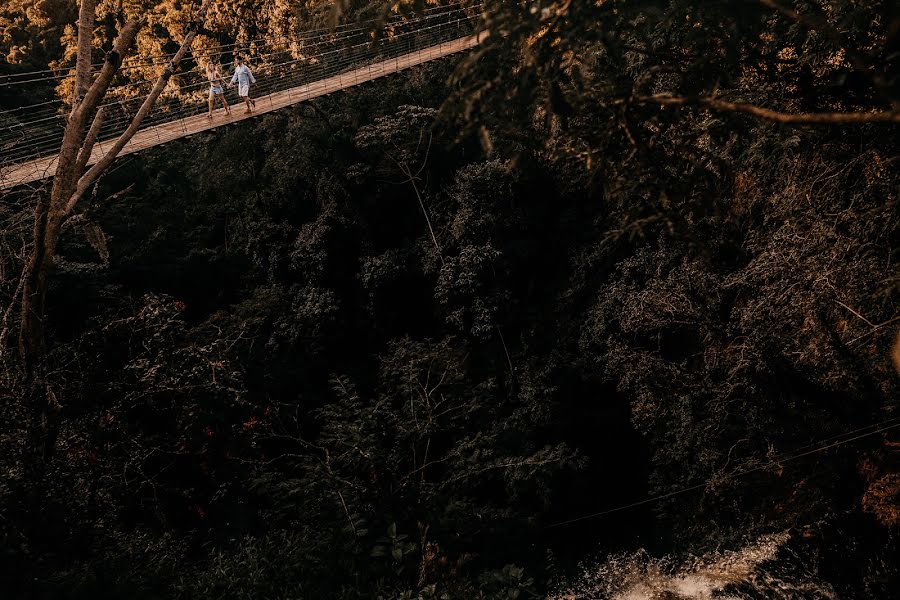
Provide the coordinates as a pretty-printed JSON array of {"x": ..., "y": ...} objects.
[{"x": 35, "y": 131}]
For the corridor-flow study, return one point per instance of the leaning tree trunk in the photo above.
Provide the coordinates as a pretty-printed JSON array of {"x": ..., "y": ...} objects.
[{"x": 69, "y": 185}]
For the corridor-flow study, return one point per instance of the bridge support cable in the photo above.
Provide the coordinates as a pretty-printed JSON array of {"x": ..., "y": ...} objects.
[{"x": 339, "y": 54}]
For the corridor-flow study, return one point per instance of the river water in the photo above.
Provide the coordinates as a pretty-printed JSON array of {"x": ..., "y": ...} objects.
[{"x": 832, "y": 561}]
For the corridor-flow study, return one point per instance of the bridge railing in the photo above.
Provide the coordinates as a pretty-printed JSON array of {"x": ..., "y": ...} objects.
[{"x": 278, "y": 66}]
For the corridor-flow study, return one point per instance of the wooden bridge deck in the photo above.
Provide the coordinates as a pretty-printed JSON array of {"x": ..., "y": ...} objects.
[{"x": 38, "y": 169}]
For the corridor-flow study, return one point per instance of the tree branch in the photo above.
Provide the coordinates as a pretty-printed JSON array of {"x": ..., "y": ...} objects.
[
  {"x": 90, "y": 140},
  {"x": 4, "y": 324},
  {"x": 110, "y": 67},
  {"x": 816, "y": 118},
  {"x": 74, "y": 136},
  {"x": 86, "y": 180}
]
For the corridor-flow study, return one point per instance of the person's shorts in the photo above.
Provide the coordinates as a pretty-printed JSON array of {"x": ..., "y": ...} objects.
[
  {"x": 216, "y": 90},
  {"x": 244, "y": 90}
]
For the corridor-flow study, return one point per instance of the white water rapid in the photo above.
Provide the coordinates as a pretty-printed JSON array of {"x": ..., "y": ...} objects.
[{"x": 753, "y": 572}]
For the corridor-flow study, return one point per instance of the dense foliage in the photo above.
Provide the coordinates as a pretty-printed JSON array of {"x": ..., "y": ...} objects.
[{"x": 383, "y": 344}]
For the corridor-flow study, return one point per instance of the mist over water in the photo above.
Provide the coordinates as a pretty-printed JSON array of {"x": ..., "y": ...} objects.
[{"x": 764, "y": 568}]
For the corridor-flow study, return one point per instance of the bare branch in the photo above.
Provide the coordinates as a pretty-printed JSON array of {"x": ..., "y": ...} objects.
[
  {"x": 865, "y": 320},
  {"x": 111, "y": 65},
  {"x": 822, "y": 118},
  {"x": 85, "y": 154},
  {"x": 74, "y": 136},
  {"x": 4, "y": 324},
  {"x": 101, "y": 165},
  {"x": 411, "y": 179}
]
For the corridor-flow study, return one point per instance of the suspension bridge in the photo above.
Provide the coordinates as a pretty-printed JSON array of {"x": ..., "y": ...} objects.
[{"x": 288, "y": 71}]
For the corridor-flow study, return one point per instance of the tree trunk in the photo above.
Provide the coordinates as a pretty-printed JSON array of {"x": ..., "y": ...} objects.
[
  {"x": 86, "y": 17},
  {"x": 69, "y": 185},
  {"x": 50, "y": 212}
]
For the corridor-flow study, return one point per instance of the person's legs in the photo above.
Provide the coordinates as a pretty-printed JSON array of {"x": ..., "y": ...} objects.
[
  {"x": 244, "y": 93},
  {"x": 225, "y": 104},
  {"x": 212, "y": 99}
]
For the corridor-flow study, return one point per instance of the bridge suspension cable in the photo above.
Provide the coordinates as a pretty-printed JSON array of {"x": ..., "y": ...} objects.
[
  {"x": 283, "y": 69},
  {"x": 802, "y": 452},
  {"x": 10, "y": 79},
  {"x": 310, "y": 45},
  {"x": 328, "y": 55},
  {"x": 326, "y": 58}
]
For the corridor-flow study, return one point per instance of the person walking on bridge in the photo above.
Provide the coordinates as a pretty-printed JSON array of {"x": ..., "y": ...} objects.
[
  {"x": 244, "y": 77},
  {"x": 216, "y": 88}
]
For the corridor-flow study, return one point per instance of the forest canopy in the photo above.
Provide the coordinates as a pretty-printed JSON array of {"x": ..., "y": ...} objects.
[{"x": 620, "y": 281}]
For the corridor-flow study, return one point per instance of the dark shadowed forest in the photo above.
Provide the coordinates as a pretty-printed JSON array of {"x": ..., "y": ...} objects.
[{"x": 605, "y": 307}]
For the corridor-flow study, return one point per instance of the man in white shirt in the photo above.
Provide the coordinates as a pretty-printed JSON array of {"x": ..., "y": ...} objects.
[{"x": 243, "y": 77}]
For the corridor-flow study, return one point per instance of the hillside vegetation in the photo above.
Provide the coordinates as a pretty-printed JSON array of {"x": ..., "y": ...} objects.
[{"x": 398, "y": 342}]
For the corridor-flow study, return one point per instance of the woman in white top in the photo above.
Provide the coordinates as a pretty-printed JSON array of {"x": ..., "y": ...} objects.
[{"x": 216, "y": 88}]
